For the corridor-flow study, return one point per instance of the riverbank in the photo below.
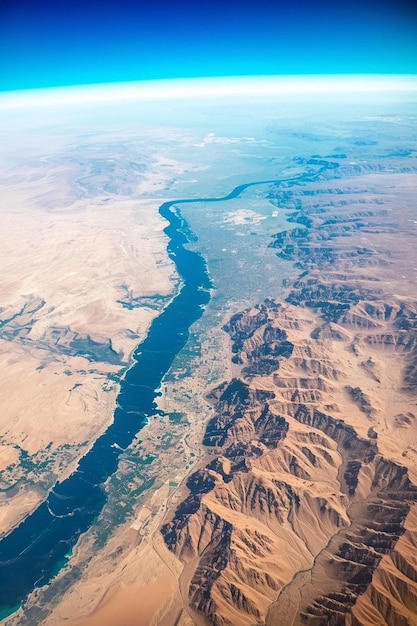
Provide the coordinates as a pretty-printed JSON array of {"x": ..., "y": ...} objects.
[
  {"x": 73, "y": 503},
  {"x": 81, "y": 493},
  {"x": 167, "y": 335}
]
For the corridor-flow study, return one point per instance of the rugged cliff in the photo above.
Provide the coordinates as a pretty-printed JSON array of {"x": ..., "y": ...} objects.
[{"x": 303, "y": 512}]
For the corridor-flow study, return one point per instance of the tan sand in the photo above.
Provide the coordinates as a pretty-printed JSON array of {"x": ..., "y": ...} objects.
[
  {"x": 8, "y": 455},
  {"x": 67, "y": 262},
  {"x": 133, "y": 606}
]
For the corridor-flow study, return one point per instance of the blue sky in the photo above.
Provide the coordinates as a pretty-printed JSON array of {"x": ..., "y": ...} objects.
[{"x": 50, "y": 43}]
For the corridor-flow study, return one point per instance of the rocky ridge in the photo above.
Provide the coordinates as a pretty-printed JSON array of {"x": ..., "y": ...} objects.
[{"x": 306, "y": 495}]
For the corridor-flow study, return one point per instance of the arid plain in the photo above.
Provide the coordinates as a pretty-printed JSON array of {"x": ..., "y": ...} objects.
[
  {"x": 82, "y": 276},
  {"x": 279, "y": 486}
]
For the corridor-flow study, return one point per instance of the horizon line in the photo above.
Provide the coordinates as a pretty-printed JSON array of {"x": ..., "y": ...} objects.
[{"x": 207, "y": 87}]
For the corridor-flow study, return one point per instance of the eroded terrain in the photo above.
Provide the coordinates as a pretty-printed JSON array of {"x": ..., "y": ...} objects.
[
  {"x": 304, "y": 512},
  {"x": 282, "y": 469}
]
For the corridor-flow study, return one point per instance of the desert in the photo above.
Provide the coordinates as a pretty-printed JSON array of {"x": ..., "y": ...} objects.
[
  {"x": 81, "y": 281},
  {"x": 276, "y": 481}
]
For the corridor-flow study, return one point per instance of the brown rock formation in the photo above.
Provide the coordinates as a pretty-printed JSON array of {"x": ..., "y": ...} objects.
[{"x": 304, "y": 511}]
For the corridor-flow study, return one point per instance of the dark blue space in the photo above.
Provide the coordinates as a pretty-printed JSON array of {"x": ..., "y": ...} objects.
[{"x": 50, "y": 43}]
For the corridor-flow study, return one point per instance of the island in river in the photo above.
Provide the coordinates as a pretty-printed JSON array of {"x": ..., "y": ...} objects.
[{"x": 265, "y": 486}]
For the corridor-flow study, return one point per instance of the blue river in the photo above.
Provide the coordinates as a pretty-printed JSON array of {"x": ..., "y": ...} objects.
[{"x": 31, "y": 553}]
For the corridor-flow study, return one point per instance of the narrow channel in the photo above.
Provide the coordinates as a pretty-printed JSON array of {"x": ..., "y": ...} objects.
[{"x": 32, "y": 552}]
